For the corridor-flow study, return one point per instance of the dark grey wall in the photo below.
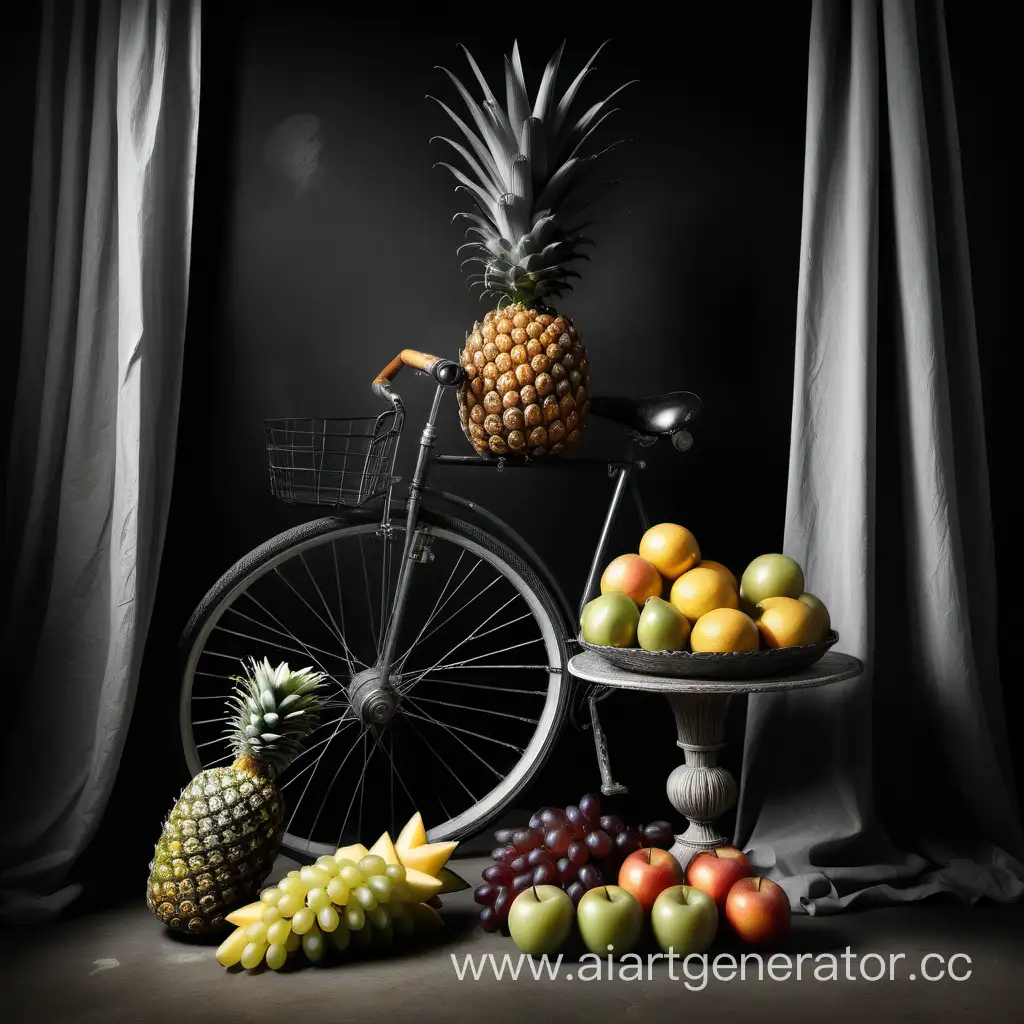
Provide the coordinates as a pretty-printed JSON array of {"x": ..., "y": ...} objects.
[{"x": 298, "y": 299}]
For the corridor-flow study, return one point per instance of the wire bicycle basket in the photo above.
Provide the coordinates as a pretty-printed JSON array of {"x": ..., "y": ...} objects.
[{"x": 332, "y": 461}]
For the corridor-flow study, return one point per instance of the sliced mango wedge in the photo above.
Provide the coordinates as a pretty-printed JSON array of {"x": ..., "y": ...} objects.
[
  {"x": 247, "y": 915},
  {"x": 386, "y": 849},
  {"x": 230, "y": 950},
  {"x": 413, "y": 834},
  {"x": 356, "y": 852},
  {"x": 422, "y": 886},
  {"x": 429, "y": 858}
]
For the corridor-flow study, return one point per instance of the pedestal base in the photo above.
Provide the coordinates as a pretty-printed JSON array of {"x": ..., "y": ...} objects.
[{"x": 700, "y": 789}]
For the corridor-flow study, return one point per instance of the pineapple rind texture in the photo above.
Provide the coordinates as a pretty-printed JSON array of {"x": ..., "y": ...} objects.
[
  {"x": 219, "y": 842},
  {"x": 217, "y": 846},
  {"x": 529, "y": 174},
  {"x": 527, "y": 388}
]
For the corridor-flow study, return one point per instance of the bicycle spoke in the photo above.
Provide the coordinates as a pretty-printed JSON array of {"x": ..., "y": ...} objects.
[
  {"x": 309, "y": 653},
  {"x": 327, "y": 792},
  {"x": 369, "y": 600},
  {"x": 438, "y": 667},
  {"x": 466, "y": 604},
  {"x": 459, "y": 739},
  {"x": 341, "y": 608},
  {"x": 259, "y": 640},
  {"x": 325, "y": 744},
  {"x": 271, "y": 629},
  {"x": 362, "y": 776},
  {"x": 315, "y": 613},
  {"x": 424, "y": 636},
  {"x": 210, "y": 743},
  {"x": 437, "y": 605},
  {"x": 469, "y": 732},
  {"x": 316, "y": 586},
  {"x": 501, "y": 625},
  {"x": 430, "y": 747},
  {"x": 327, "y": 739},
  {"x": 471, "y": 707},
  {"x": 486, "y": 686}
]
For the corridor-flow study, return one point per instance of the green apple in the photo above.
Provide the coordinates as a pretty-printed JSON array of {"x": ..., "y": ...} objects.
[
  {"x": 817, "y": 605},
  {"x": 610, "y": 920},
  {"x": 540, "y": 919},
  {"x": 610, "y": 620},
  {"x": 684, "y": 919},
  {"x": 662, "y": 627},
  {"x": 771, "y": 576}
]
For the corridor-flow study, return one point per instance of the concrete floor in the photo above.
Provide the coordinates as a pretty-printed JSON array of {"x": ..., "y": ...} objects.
[{"x": 119, "y": 965}]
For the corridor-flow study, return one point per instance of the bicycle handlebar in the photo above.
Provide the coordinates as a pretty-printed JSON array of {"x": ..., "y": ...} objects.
[{"x": 445, "y": 372}]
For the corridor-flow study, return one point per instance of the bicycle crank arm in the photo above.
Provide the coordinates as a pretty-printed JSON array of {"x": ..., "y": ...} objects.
[{"x": 609, "y": 787}]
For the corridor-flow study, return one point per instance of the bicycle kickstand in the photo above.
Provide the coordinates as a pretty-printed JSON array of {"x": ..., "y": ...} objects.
[{"x": 609, "y": 787}]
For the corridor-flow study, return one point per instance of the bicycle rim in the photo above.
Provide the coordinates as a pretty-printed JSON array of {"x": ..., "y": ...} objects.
[{"x": 476, "y": 721}]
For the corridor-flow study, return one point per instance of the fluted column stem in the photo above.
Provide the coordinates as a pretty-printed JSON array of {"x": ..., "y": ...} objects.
[{"x": 701, "y": 789}]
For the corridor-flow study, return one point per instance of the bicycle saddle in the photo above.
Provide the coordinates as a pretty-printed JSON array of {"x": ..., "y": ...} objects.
[{"x": 658, "y": 415}]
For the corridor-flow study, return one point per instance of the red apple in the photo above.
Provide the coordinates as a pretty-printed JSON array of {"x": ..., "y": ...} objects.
[
  {"x": 646, "y": 873},
  {"x": 717, "y": 871},
  {"x": 758, "y": 910}
]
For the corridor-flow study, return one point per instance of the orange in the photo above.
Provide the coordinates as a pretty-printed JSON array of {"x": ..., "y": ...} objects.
[
  {"x": 724, "y": 630},
  {"x": 816, "y": 604},
  {"x": 670, "y": 548},
  {"x": 718, "y": 567},
  {"x": 702, "y": 590},
  {"x": 632, "y": 575},
  {"x": 787, "y": 622}
]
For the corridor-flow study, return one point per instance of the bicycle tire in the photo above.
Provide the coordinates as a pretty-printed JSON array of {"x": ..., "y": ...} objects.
[{"x": 275, "y": 550}]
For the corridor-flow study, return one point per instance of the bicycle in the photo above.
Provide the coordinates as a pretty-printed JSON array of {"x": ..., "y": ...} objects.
[{"x": 336, "y": 593}]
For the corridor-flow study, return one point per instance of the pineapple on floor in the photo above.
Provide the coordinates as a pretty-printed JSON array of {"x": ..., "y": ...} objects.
[
  {"x": 527, "y": 390},
  {"x": 219, "y": 842}
]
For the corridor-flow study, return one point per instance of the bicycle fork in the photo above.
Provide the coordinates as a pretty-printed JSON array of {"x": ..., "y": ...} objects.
[{"x": 372, "y": 692}]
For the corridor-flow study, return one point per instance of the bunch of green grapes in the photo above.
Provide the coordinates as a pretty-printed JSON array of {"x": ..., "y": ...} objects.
[{"x": 327, "y": 902}]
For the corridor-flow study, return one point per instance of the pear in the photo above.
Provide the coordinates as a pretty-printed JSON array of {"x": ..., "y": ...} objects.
[
  {"x": 662, "y": 626},
  {"x": 610, "y": 620}
]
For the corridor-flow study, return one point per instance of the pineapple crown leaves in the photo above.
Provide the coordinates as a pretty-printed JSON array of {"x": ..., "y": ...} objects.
[
  {"x": 273, "y": 711},
  {"x": 528, "y": 168}
]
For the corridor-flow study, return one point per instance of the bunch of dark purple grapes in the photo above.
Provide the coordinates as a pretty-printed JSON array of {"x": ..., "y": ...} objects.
[{"x": 578, "y": 849}]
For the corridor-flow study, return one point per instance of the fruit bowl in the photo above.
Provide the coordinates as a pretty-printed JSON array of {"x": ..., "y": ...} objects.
[{"x": 701, "y": 665}]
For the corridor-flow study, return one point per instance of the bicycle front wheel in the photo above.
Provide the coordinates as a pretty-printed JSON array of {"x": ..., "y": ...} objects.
[{"x": 479, "y": 675}]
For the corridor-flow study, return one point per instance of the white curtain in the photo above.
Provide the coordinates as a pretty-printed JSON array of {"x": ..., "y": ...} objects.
[
  {"x": 95, "y": 416},
  {"x": 896, "y": 785}
]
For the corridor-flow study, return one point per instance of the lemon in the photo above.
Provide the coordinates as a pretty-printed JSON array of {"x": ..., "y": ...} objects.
[
  {"x": 702, "y": 590},
  {"x": 787, "y": 622},
  {"x": 723, "y": 630}
]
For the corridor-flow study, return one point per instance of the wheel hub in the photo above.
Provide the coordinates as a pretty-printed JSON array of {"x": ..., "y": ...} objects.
[{"x": 371, "y": 701}]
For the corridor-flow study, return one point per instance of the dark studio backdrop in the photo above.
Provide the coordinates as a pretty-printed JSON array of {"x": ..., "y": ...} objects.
[{"x": 298, "y": 300}]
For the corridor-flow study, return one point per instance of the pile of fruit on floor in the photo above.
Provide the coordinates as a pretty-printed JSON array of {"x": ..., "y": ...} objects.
[
  {"x": 707, "y": 610},
  {"x": 570, "y": 878}
]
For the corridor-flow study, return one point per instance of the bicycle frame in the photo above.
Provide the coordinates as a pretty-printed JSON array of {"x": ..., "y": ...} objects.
[{"x": 622, "y": 471}]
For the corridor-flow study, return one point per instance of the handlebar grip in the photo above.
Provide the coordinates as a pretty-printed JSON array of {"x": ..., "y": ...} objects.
[
  {"x": 407, "y": 357},
  {"x": 444, "y": 371}
]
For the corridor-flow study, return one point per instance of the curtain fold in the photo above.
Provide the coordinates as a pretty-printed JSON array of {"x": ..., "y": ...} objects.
[
  {"x": 893, "y": 786},
  {"x": 95, "y": 417}
]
